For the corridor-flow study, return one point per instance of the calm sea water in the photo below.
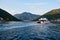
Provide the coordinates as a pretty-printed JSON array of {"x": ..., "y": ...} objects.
[{"x": 29, "y": 31}]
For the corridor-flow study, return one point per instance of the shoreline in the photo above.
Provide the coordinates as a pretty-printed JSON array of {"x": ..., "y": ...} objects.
[{"x": 55, "y": 21}]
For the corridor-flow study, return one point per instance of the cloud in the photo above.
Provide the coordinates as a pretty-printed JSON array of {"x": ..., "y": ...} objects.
[
  {"x": 34, "y": 5},
  {"x": 16, "y": 11},
  {"x": 10, "y": 11},
  {"x": 29, "y": 7},
  {"x": 13, "y": 11},
  {"x": 39, "y": 12}
]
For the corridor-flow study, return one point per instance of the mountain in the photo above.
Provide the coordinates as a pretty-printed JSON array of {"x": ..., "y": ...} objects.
[
  {"x": 4, "y": 15},
  {"x": 26, "y": 16},
  {"x": 53, "y": 14}
]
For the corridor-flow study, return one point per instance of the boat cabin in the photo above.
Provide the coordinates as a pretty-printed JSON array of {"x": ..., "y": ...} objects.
[{"x": 43, "y": 20}]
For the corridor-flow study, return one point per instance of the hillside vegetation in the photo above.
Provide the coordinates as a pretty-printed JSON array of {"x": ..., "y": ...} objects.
[
  {"x": 6, "y": 16},
  {"x": 53, "y": 14}
]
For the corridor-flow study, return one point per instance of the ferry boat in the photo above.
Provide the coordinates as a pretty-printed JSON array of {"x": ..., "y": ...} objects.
[{"x": 43, "y": 20}]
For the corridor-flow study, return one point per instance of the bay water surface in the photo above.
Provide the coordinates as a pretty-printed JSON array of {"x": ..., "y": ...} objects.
[{"x": 29, "y": 31}]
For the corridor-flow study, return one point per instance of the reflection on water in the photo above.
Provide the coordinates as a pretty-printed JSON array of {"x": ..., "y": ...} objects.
[{"x": 29, "y": 31}]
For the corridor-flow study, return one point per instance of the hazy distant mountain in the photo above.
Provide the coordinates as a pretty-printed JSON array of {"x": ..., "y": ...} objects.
[
  {"x": 6, "y": 16},
  {"x": 26, "y": 16}
]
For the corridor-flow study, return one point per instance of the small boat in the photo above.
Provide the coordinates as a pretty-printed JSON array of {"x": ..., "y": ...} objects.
[{"x": 43, "y": 20}]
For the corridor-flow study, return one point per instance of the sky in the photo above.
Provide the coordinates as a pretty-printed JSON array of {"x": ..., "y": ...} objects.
[{"x": 38, "y": 7}]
